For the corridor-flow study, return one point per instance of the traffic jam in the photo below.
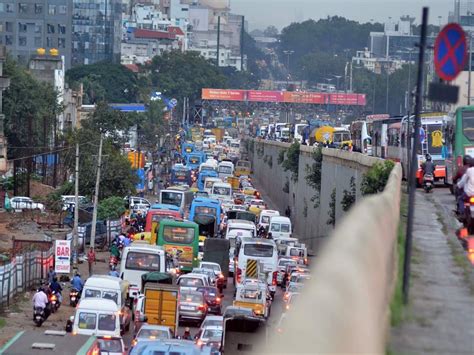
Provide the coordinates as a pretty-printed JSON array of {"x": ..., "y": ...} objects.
[{"x": 209, "y": 267}]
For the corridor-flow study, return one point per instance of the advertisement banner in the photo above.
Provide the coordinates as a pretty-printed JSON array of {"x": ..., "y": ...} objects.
[
  {"x": 264, "y": 96},
  {"x": 347, "y": 99},
  {"x": 303, "y": 97},
  {"x": 62, "y": 256},
  {"x": 181, "y": 253},
  {"x": 223, "y": 94}
]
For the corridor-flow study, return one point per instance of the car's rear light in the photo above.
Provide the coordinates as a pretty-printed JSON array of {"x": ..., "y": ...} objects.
[
  {"x": 239, "y": 274},
  {"x": 274, "y": 278},
  {"x": 218, "y": 299},
  {"x": 471, "y": 200},
  {"x": 221, "y": 276},
  {"x": 202, "y": 307}
]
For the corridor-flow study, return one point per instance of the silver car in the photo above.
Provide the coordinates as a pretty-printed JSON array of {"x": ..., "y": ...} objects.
[{"x": 192, "y": 306}]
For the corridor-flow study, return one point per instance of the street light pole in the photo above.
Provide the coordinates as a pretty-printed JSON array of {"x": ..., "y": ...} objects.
[
  {"x": 96, "y": 194},
  {"x": 288, "y": 53},
  {"x": 470, "y": 68}
]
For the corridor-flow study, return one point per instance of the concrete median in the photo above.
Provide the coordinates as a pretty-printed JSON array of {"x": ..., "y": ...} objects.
[{"x": 345, "y": 307}]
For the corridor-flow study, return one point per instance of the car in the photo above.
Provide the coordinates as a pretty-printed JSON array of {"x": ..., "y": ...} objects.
[
  {"x": 110, "y": 345},
  {"x": 70, "y": 201},
  {"x": 216, "y": 269},
  {"x": 212, "y": 320},
  {"x": 210, "y": 336},
  {"x": 169, "y": 346},
  {"x": 282, "y": 263},
  {"x": 19, "y": 203},
  {"x": 212, "y": 298},
  {"x": 192, "y": 306},
  {"x": 233, "y": 311},
  {"x": 257, "y": 206},
  {"x": 292, "y": 288},
  {"x": 212, "y": 278},
  {"x": 152, "y": 332},
  {"x": 192, "y": 281}
]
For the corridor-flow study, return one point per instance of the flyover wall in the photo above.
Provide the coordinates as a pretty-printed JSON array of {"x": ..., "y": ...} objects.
[{"x": 309, "y": 217}]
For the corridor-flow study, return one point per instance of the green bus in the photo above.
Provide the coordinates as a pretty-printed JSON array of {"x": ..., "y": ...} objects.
[
  {"x": 180, "y": 240},
  {"x": 459, "y": 140}
]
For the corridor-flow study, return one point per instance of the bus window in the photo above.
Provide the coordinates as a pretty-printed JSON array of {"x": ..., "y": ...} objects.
[
  {"x": 178, "y": 235},
  {"x": 468, "y": 124},
  {"x": 171, "y": 198},
  {"x": 142, "y": 261},
  {"x": 205, "y": 210},
  {"x": 258, "y": 250}
]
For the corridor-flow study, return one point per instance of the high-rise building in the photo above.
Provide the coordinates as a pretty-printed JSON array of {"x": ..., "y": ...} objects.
[
  {"x": 27, "y": 25},
  {"x": 97, "y": 31}
]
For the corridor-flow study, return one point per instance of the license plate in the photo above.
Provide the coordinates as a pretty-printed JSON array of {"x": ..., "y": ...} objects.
[
  {"x": 187, "y": 308},
  {"x": 73, "y": 298},
  {"x": 38, "y": 317}
]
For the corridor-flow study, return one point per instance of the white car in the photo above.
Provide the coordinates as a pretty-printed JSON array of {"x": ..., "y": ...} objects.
[{"x": 25, "y": 203}]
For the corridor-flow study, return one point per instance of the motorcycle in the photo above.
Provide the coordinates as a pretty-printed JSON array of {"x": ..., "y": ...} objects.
[
  {"x": 468, "y": 220},
  {"x": 428, "y": 182},
  {"x": 39, "y": 316},
  {"x": 74, "y": 297},
  {"x": 54, "y": 301},
  {"x": 113, "y": 261}
]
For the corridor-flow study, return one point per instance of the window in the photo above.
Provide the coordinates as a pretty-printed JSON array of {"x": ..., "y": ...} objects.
[
  {"x": 110, "y": 295},
  {"x": 52, "y": 9},
  {"x": 38, "y": 8},
  {"x": 9, "y": 8},
  {"x": 61, "y": 42},
  {"x": 258, "y": 250},
  {"x": 107, "y": 322},
  {"x": 22, "y": 27},
  {"x": 62, "y": 9},
  {"x": 92, "y": 293},
  {"x": 468, "y": 124},
  {"x": 172, "y": 198},
  {"x": 178, "y": 235},
  {"x": 61, "y": 29},
  {"x": 275, "y": 227},
  {"x": 87, "y": 320},
  {"x": 205, "y": 210},
  {"x": 8, "y": 27},
  {"x": 22, "y": 8},
  {"x": 155, "y": 333},
  {"x": 49, "y": 42},
  {"x": 2, "y": 7},
  {"x": 285, "y": 228},
  {"x": 38, "y": 42},
  {"x": 50, "y": 28},
  {"x": 38, "y": 29},
  {"x": 22, "y": 41},
  {"x": 8, "y": 40},
  {"x": 142, "y": 261}
]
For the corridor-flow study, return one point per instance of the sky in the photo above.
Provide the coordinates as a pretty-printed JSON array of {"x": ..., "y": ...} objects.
[{"x": 280, "y": 13}]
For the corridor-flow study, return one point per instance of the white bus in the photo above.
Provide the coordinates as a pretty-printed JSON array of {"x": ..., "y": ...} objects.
[
  {"x": 178, "y": 196},
  {"x": 225, "y": 169}
]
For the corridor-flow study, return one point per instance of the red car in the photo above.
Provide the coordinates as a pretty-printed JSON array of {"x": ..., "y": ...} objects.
[{"x": 212, "y": 298}]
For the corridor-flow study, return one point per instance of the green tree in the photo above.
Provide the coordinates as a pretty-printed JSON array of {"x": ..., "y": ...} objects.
[
  {"x": 291, "y": 163},
  {"x": 111, "y": 208},
  {"x": 349, "y": 196},
  {"x": 317, "y": 67},
  {"x": 271, "y": 31},
  {"x": 314, "y": 175},
  {"x": 183, "y": 74},
  {"x": 105, "y": 81},
  {"x": 332, "y": 209}
]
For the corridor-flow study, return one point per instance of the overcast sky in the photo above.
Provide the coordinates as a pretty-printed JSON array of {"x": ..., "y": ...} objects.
[{"x": 262, "y": 13}]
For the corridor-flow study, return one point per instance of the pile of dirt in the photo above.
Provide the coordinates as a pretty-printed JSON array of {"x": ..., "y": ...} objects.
[{"x": 40, "y": 190}]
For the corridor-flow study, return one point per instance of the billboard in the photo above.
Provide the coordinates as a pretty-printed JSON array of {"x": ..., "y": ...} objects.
[
  {"x": 223, "y": 94},
  {"x": 264, "y": 96},
  {"x": 303, "y": 97},
  {"x": 62, "y": 256}
]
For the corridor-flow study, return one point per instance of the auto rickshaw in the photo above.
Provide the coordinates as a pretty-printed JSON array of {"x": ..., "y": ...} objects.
[
  {"x": 253, "y": 294},
  {"x": 243, "y": 167}
]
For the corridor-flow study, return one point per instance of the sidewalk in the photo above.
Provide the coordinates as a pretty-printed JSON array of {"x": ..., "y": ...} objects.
[{"x": 440, "y": 317}]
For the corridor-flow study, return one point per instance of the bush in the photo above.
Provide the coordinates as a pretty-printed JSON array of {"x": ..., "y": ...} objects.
[
  {"x": 281, "y": 157},
  {"x": 332, "y": 209},
  {"x": 376, "y": 177},
  {"x": 111, "y": 208},
  {"x": 349, "y": 197},
  {"x": 313, "y": 175},
  {"x": 292, "y": 161}
]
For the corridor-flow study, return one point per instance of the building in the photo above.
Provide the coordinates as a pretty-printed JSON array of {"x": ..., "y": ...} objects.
[
  {"x": 377, "y": 65},
  {"x": 4, "y": 83},
  {"x": 27, "y": 25},
  {"x": 397, "y": 41},
  {"x": 227, "y": 59},
  {"x": 97, "y": 31}
]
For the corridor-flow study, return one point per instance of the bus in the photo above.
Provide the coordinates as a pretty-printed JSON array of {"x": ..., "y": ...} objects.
[
  {"x": 361, "y": 140},
  {"x": 181, "y": 175},
  {"x": 195, "y": 159},
  {"x": 458, "y": 134},
  {"x": 180, "y": 241},
  {"x": 179, "y": 196},
  {"x": 206, "y": 212}
]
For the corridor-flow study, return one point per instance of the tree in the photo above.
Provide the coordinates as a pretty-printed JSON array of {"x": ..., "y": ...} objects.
[
  {"x": 314, "y": 175},
  {"x": 349, "y": 196},
  {"x": 291, "y": 163},
  {"x": 375, "y": 179},
  {"x": 271, "y": 31},
  {"x": 183, "y": 74},
  {"x": 111, "y": 208},
  {"x": 332, "y": 209},
  {"x": 316, "y": 67},
  {"x": 104, "y": 81},
  {"x": 240, "y": 79}
]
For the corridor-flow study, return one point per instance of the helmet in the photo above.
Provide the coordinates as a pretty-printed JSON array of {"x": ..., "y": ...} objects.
[
  {"x": 187, "y": 330},
  {"x": 466, "y": 160},
  {"x": 428, "y": 157}
]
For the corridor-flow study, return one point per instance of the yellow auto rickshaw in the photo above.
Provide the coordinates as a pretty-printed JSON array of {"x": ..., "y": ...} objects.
[
  {"x": 243, "y": 167},
  {"x": 234, "y": 182}
]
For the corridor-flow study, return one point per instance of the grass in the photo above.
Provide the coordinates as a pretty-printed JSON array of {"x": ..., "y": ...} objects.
[
  {"x": 3, "y": 322},
  {"x": 397, "y": 307}
]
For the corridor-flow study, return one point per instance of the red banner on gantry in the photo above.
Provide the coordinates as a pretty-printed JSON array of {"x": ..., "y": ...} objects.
[
  {"x": 223, "y": 94},
  {"x": 264, "y": 96}
]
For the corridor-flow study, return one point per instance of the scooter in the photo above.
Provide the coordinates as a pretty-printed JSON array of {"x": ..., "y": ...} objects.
[
  {"x": 54, "y": 301},
  {"x": 74, "y": 297},
  {"x": 468, "y": 219},
  {"x": 428, "y": 182},
  {"x": 39, "y": 316}
]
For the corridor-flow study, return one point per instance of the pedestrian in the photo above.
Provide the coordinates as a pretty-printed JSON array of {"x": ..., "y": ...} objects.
[
  {"x": 51, "y": 274},
  {"x": 288, "y": 212},
  {"x": 91, "y": 259}
]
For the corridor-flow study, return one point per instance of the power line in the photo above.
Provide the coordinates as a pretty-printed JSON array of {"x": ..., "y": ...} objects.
[{"x": 49, "y": 152}]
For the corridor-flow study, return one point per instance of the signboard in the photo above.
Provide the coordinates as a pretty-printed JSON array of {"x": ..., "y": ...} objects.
[
  {"x": 304, "y": 97},
  {"x": 140, "y": 186},
  {"x": 264, "y": 96},
  {"x": 62, "y": 256},
  {"x": 450, "y": 51},
  {"x": 223, "y": 94}
]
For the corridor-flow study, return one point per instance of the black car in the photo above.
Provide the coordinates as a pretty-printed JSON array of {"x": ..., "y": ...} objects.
[{"x": 213, "y": 300}]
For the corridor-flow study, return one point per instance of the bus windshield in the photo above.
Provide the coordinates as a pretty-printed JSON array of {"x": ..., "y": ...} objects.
[
  {"x": 468, "y": 124},
  {"x": 142, "y": 261},
  {"x": 221, "y": 190},
  {"x": 181, "y": 235},
  {"x": 171, "y": 198},
  {"x": 205, "y": 210},
  {"x": 225, "y": 169}
]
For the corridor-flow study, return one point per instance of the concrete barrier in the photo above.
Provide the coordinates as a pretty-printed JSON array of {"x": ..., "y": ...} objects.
[{"x": 345, "y": 307}]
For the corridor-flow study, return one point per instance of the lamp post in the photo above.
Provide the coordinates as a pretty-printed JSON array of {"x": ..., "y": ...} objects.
[
  {"x": 288, "y": 53},
  {"x": 337, "y": 80}
]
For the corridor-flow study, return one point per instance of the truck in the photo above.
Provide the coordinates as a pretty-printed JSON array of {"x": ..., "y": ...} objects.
[
  {"x": 161, "y": 302},
  {"x": 219, "y": 133},
  {"x": 216, "y": 250}
]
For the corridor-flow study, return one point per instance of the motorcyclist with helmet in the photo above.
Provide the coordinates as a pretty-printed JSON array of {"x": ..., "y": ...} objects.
[{"x": 428, "y": 166}]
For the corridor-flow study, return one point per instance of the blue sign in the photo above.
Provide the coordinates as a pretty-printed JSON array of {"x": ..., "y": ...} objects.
[
  {"x": 141, "y": 180},
  {"x": 422, "y": 135},
  {"x": 450, "y": 51}
]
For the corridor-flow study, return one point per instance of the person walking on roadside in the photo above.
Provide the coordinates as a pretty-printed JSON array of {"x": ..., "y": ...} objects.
[
  {"x": 51, "y": 274},
  {"x": 91, "y": 259}
]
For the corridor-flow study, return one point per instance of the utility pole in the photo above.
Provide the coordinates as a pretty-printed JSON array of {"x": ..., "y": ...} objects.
[
  {"x": 416, "y": 142},
  {"x": 470, "y": 68},
  {"x": 76, "y": 209},
  {"x": 218, "y": 39},
  {"x": 96, "y": 194},
  {"x": 242, "y": 33}
]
